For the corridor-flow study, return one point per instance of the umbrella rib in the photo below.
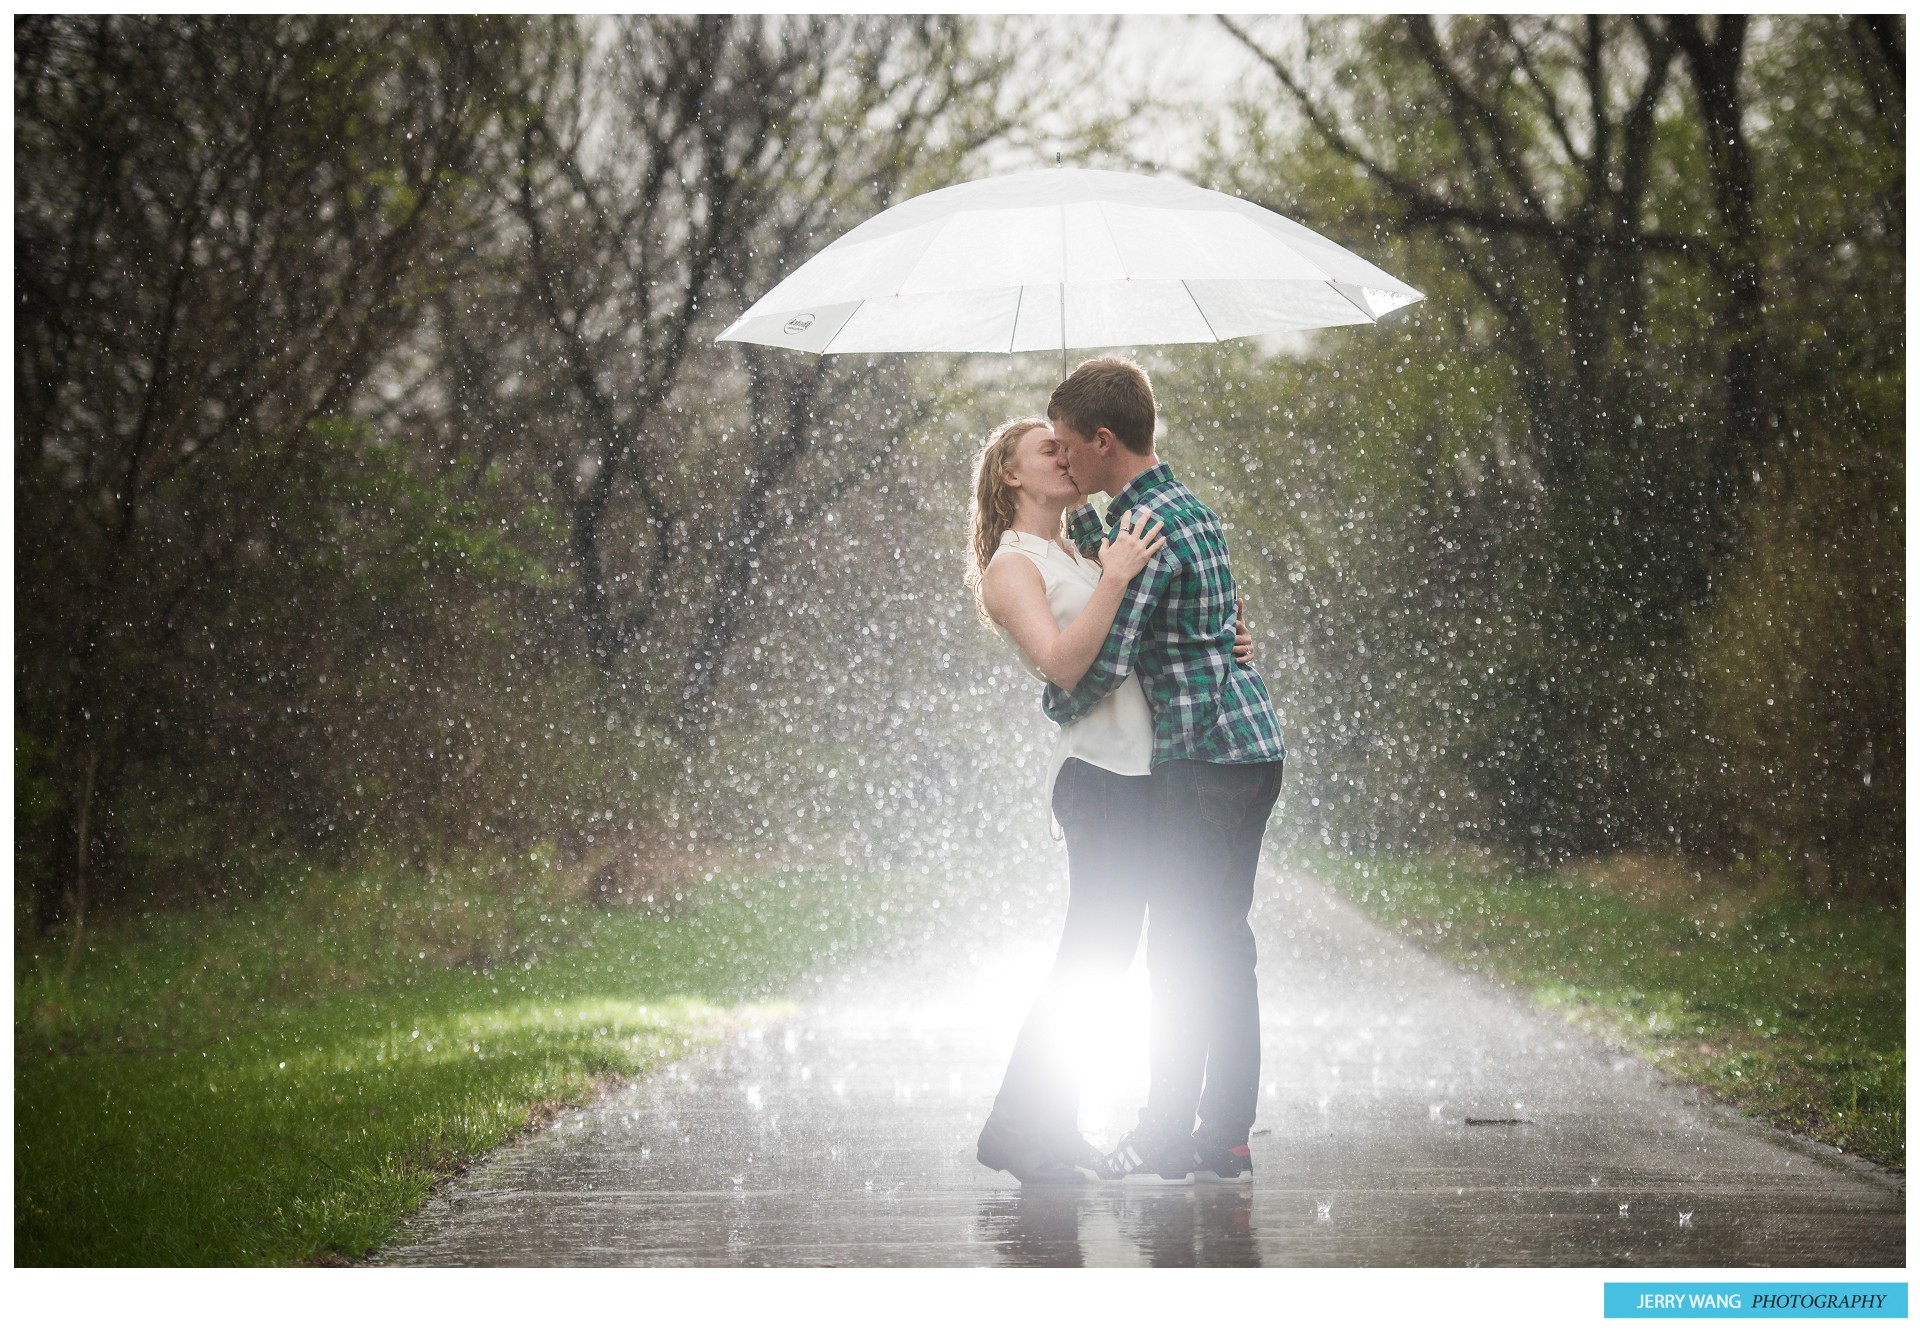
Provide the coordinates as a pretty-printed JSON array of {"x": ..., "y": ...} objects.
[
  {"x": 1357, "y": 305},
  {"x": 826, "y": 350},
  {"x": 1063, "y": 285},
  {"x": 1100, "y": 206},
  {"x": 1199, "y": 310},
  {"x": 1019, "y": 299},
  {"x": 933, "y": 234}
]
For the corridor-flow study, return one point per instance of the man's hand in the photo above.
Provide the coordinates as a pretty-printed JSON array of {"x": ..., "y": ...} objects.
[{"x": 1242, "y": 635}]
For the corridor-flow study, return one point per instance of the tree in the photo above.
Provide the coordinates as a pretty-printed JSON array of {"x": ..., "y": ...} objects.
[
  {"x": 671, "y": 170},
  {"x": 1589, "y": 202},
  {"x": 221, "y": 228}
]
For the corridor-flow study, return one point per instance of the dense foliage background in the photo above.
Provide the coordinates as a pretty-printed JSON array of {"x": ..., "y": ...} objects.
[{"x": 379, "y": 486}]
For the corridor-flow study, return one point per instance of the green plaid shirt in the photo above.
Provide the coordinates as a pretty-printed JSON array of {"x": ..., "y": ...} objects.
[{"x": 1175, "y": 627}]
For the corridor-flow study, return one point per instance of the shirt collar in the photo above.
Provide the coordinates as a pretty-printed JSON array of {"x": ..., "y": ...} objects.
[{"x": 1140, "y": 488}]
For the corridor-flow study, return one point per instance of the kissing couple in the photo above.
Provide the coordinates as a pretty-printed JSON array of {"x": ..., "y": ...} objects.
[{"x": 1165, "y": 769}]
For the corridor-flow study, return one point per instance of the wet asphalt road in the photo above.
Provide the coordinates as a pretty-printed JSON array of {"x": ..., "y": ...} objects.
[{"x": 844, "y": 1134}]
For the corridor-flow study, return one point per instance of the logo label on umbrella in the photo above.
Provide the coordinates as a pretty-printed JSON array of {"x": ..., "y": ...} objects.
[{"x": 799, "y": 324}]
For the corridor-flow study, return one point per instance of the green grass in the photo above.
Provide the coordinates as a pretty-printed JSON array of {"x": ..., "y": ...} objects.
[
  {"x": 282, "y": 1081},
  {"x": 1794, "y": 1010}
]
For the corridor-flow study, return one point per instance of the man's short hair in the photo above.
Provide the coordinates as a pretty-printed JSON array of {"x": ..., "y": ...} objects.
[{"x": 1108, "y": 391}]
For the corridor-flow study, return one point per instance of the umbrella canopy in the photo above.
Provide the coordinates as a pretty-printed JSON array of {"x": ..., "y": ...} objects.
[{"x": 1047, "y": 260}]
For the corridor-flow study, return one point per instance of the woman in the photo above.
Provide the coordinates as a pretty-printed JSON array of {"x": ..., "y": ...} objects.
[{"x": 1057, "y": 606}]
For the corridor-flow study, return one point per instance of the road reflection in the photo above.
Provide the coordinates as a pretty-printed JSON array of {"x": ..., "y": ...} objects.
[{"x": 1073, "y": 1228}]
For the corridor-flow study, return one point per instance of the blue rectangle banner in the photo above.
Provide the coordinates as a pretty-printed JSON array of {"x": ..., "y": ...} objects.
[{"x": 1756, "y": 1300}]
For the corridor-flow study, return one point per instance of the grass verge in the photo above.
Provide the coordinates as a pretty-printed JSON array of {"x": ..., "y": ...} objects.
[
  {"x": 1793, "y": 1010},
  {"x": 282, "y": 1081}
]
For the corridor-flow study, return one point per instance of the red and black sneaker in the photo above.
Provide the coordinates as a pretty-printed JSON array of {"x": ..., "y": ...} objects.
[{"x": 1220, "y": 1164}]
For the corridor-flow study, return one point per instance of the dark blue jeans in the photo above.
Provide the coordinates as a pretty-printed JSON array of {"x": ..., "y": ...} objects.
[
  {"x": 1107, "y": 819},
  {"x": 1208, "y": 821}
]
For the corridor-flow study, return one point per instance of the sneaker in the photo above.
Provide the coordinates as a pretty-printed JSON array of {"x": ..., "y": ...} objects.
[
  {"x": 1216, "y": 1163},
  {"x": 1147, "y": 1158},
  {"x": 1073, "y": 1149},
  {"x": 1026, "y": 1160}
]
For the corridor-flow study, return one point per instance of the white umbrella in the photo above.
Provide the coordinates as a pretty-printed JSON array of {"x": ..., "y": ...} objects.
[{"x": 1061, "y": 258}]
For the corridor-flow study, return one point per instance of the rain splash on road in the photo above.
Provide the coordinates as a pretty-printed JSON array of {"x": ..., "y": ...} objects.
[{"x": 1411, "y": 1115}]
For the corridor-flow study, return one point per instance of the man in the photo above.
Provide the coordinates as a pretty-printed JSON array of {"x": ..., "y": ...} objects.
[{"x": 1216, "y": 767}]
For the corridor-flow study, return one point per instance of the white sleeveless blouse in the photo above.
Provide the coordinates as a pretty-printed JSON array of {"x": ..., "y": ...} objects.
[{"x": 1117, "y": 733}]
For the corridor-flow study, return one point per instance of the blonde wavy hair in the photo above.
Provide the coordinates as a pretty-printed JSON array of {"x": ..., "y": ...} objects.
[{"x": 991, "y": 512}]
